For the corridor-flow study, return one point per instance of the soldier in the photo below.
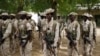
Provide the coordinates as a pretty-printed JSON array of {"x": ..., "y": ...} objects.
[
  {"x": 14, "y": 38},
  {"x": 25, "y": 31},
  {"x": 1, "y": 34},
  {"x": 87, "y": 34},
  {"x": 7, "y": 30},
  {"x": 41, "y": 23},
  {"x": 51, "y": 34},
  {"x": 94, "y": 28},
  {"x": 61, "y": 27},
  {"x": 33, "y": 24},
  {"x": 73, "y": 34}
]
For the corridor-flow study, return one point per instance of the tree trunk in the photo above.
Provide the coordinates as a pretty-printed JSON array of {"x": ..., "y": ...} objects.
[{"x": 54, "y": 6}]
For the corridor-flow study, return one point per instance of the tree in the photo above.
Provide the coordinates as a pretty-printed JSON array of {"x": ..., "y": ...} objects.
[{"x": 88, "y": 3}]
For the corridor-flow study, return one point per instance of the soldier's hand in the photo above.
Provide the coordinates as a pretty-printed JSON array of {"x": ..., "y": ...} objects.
[
  {"x": 54, "y": 45},
  {"x": 75, "y": 42}
]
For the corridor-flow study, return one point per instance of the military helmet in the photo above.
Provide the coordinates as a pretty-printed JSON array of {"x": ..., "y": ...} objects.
[
  {"x": 42, "y": 14},
  {"x": 49, "y": 10},
  {"x": 29, "y": 15},
  {"x": 91, "y": 15},
  {"x": 12, "y": 16},
  {"x": 5, "y": 16},
  {"x": 86, "y": 15},
  {"x": 22, "y": 14},
  {"x": 72, "y": 13}
]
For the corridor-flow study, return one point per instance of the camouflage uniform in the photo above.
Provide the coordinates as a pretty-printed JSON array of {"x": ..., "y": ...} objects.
[
  {"x": 61, "y": 28},
  {"x": 14, "y": 38},
  {"x": 7, "y": 30},
  {"x": 1, "y": 35},
  {"x": 73, "y": 35},
  {"x": 94, "y": 30},
  {"x": 41, "y": 24},
  {"x": 25, "y": 31},
  {"x": 51, "y": 36},
  {"x": 33, "y": 24},
  {"x": 87, "y": 35}
]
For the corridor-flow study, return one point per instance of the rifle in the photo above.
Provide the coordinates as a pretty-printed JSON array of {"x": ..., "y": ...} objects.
[
  {"x": 72, "y": 43},
  {"x": 88, "y": 40}
]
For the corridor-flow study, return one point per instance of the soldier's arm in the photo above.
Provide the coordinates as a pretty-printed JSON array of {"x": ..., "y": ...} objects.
[
  {"x": 78, "y": 32},
  {"x": 33, "y": 24},
  {"x": 91, "y": 31},
  {"x": 8, "y": 31},
  {"x": 56, "y": 33},
  {"x": 29, "y": 31},
  {"x": 16, "y": 26}
]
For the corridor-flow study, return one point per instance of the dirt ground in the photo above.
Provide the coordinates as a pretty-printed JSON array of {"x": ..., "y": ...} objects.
[{"x": 37, "y": 49}]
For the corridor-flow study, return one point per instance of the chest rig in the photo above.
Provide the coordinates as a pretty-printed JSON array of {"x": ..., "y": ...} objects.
[{"x": 50, "y": 32}]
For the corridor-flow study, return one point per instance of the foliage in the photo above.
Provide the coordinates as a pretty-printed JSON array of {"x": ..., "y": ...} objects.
[{"x": 63, "y": 6}]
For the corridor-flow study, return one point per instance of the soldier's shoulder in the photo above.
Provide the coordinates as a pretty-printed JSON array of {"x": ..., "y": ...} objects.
[
  {"x": 76, "y": 22},
  {"x": 56, "y": 22}
]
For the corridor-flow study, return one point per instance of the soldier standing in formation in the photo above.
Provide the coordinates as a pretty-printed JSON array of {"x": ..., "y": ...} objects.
[
  {"x": 7, "y": 30},
  {"x": 25, "y": 31},
  {"x": 50, "y": 34},
  {"x": 87, "y": 34},
  {"x": 15, "y": 31},
  {"x": 73, "y": 34},
  {"x": 14, "y": 38}
]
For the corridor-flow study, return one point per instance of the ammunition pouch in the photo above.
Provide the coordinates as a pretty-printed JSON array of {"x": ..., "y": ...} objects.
[
  {"x": 71, "y": 36},
  {"x": 49, "y": 38}
]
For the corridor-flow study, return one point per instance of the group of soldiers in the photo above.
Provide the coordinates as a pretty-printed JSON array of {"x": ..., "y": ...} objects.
[
  {"x": 17, "y": 30},
  {"x": 84, "y": 31},
  {"x": 77, "y": 32}
]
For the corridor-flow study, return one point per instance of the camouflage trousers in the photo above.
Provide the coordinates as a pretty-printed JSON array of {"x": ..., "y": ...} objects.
[
  {"x": 5, "y": 48},
  {"x": 12, "y": 45},
  {"x": 27, "y": 51},
  {"x": 72, "y": 51},
  {"x": 49, "y": 52},
  {"x": 88, "y": 49}
]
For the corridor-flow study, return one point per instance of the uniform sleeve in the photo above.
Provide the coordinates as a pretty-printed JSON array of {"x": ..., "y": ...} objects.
[
  {"x": 29, "y": 26},
  {"x": 57, "y": 33},
  {"x": 16, "y": 25},
  {"x": 8, "y": 31},
  {"x": 91, "y": 31},
  {"x": 33, "y": 24},
  {"x": 78, "y": 32}
]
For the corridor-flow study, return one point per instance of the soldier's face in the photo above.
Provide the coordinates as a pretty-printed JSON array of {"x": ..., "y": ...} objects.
[
  {"x": 49, "y": 16},
  {"x": 85, "y": 18},
  {"x": 12, "y": 17},
  {"x": 4, "y": 17},
  {"x": 72, "y": 17},
  {"x": 43, "y": 17},
  {"x": 29, "y": 17},
  {"x": 23, "y": 16}
]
